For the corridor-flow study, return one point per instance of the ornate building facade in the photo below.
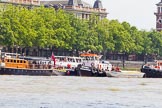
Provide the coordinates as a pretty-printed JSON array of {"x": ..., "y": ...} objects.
[
  {"x": 22, "y": 2},
  {"x": 79, "y": 8},
  {"x": 158, "y": 14}
]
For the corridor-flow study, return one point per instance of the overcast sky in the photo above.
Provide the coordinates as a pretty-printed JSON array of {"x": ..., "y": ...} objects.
[{"x": 139, "y": 13}]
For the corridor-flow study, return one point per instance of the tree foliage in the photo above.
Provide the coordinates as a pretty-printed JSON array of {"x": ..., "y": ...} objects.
[{"x": 45, "y": 27}]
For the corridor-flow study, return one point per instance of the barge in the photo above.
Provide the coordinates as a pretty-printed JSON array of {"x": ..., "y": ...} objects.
[{"x": 17, "y": 66}]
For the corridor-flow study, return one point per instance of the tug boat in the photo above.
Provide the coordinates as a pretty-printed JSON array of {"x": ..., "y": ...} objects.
[
  {"x": 18, "y": 66},
  {"x": 91, "y": 66},
  {"x": 152, "y": 71}
]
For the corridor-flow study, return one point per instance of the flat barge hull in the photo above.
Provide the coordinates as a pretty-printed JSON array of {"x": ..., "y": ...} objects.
[{"x": 34, "y": 72}]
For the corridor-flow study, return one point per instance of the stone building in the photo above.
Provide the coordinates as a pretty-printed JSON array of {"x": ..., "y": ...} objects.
[
  {"x": 80, "y": 8},
  {"x": 158, "y": 14},
  {"x": 22, "y": 2}
]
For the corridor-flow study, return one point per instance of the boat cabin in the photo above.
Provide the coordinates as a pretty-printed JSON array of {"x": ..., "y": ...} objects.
[
  {"x": 68, "y": 61},
  {"x": 90, "y": 59},
  {"x": 15, "y": 63}
]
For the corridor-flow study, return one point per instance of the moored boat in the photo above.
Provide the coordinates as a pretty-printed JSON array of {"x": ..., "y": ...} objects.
[
  {"x": 152, "y": 71},
  {"x": 91, "y": 66},
  {"x": 125, "y": 74},
  {"x": 18, "y": 66},
  {"x": 68, "y": 62}
]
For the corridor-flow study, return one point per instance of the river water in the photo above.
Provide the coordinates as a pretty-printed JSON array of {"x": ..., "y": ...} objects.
[{"x": 79, "y": 92}]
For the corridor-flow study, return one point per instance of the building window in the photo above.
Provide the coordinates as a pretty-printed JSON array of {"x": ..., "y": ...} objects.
[
  {"x": 158, "y": 9},
  {"x": 79, "y": 15},
  {"x": 82, "y": 16}
]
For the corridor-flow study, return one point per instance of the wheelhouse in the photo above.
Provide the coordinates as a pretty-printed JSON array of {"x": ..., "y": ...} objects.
[{"x": 90, "y": 57}]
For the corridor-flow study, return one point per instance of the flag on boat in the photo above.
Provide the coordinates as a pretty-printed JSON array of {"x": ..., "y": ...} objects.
[{"x": 53, "y": 58}]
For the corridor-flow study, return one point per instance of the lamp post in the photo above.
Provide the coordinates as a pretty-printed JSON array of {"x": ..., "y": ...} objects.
[
  {"x": 47, "y": 51},
  {"x": 145, "y": 58},
  {"x": 123, "y": 60}
]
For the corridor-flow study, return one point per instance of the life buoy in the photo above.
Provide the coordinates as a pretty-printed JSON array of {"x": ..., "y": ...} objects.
[{"x": 92, "y": 64}]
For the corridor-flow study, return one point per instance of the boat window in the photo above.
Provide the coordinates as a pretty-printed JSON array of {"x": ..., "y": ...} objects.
[
  {"x": 18, "y": 61},
  {"x": 96, "y": 58},
  {"x": 160, "y": 63},
  {"x": 24, "y": 61},
  {"x": 14, "y": 61},
  {"x": 78, "y": 60},
  {"x": 11, "y": 60},
  {"x": 8, "y": 60},
  {"x": 71, "y": 59}
]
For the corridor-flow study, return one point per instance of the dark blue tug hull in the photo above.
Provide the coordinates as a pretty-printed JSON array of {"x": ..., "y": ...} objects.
[
  {"x": 34, "y": 72},
  {"x": 151, "y": 73},
  {"x": 85, "y": 72}
]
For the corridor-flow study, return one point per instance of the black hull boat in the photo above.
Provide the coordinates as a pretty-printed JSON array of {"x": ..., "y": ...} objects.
[
  {"x": 32, "y": 72},
  {"x": 18, "y": 71},
  {"x": 151, "y": 72},
  {"x": 89, "y": 71},
  {"x": 86, "y": 72}
]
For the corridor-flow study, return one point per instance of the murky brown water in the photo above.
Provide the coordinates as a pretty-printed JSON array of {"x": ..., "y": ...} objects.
[{"x": 79, "y": 92}]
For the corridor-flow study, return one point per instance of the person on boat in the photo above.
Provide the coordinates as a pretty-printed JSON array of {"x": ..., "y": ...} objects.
[
  {"x": 117, "y": 69},
  {"x": 68, "y": 66},
  {"x": 113, "y": 68},
  {"x": 157, "y": 67},
  {"x": 146, "y": 66}
]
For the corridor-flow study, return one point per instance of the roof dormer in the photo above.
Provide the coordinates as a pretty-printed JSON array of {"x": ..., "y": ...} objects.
[{"x": 98, "y": 4}]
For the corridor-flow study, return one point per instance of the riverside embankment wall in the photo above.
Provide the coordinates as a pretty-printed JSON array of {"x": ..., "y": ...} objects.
[{"x": 130, "y": 64}]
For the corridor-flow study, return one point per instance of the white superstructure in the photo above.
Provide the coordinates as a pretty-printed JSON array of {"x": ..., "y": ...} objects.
[{"x": 93, "y": 60}]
